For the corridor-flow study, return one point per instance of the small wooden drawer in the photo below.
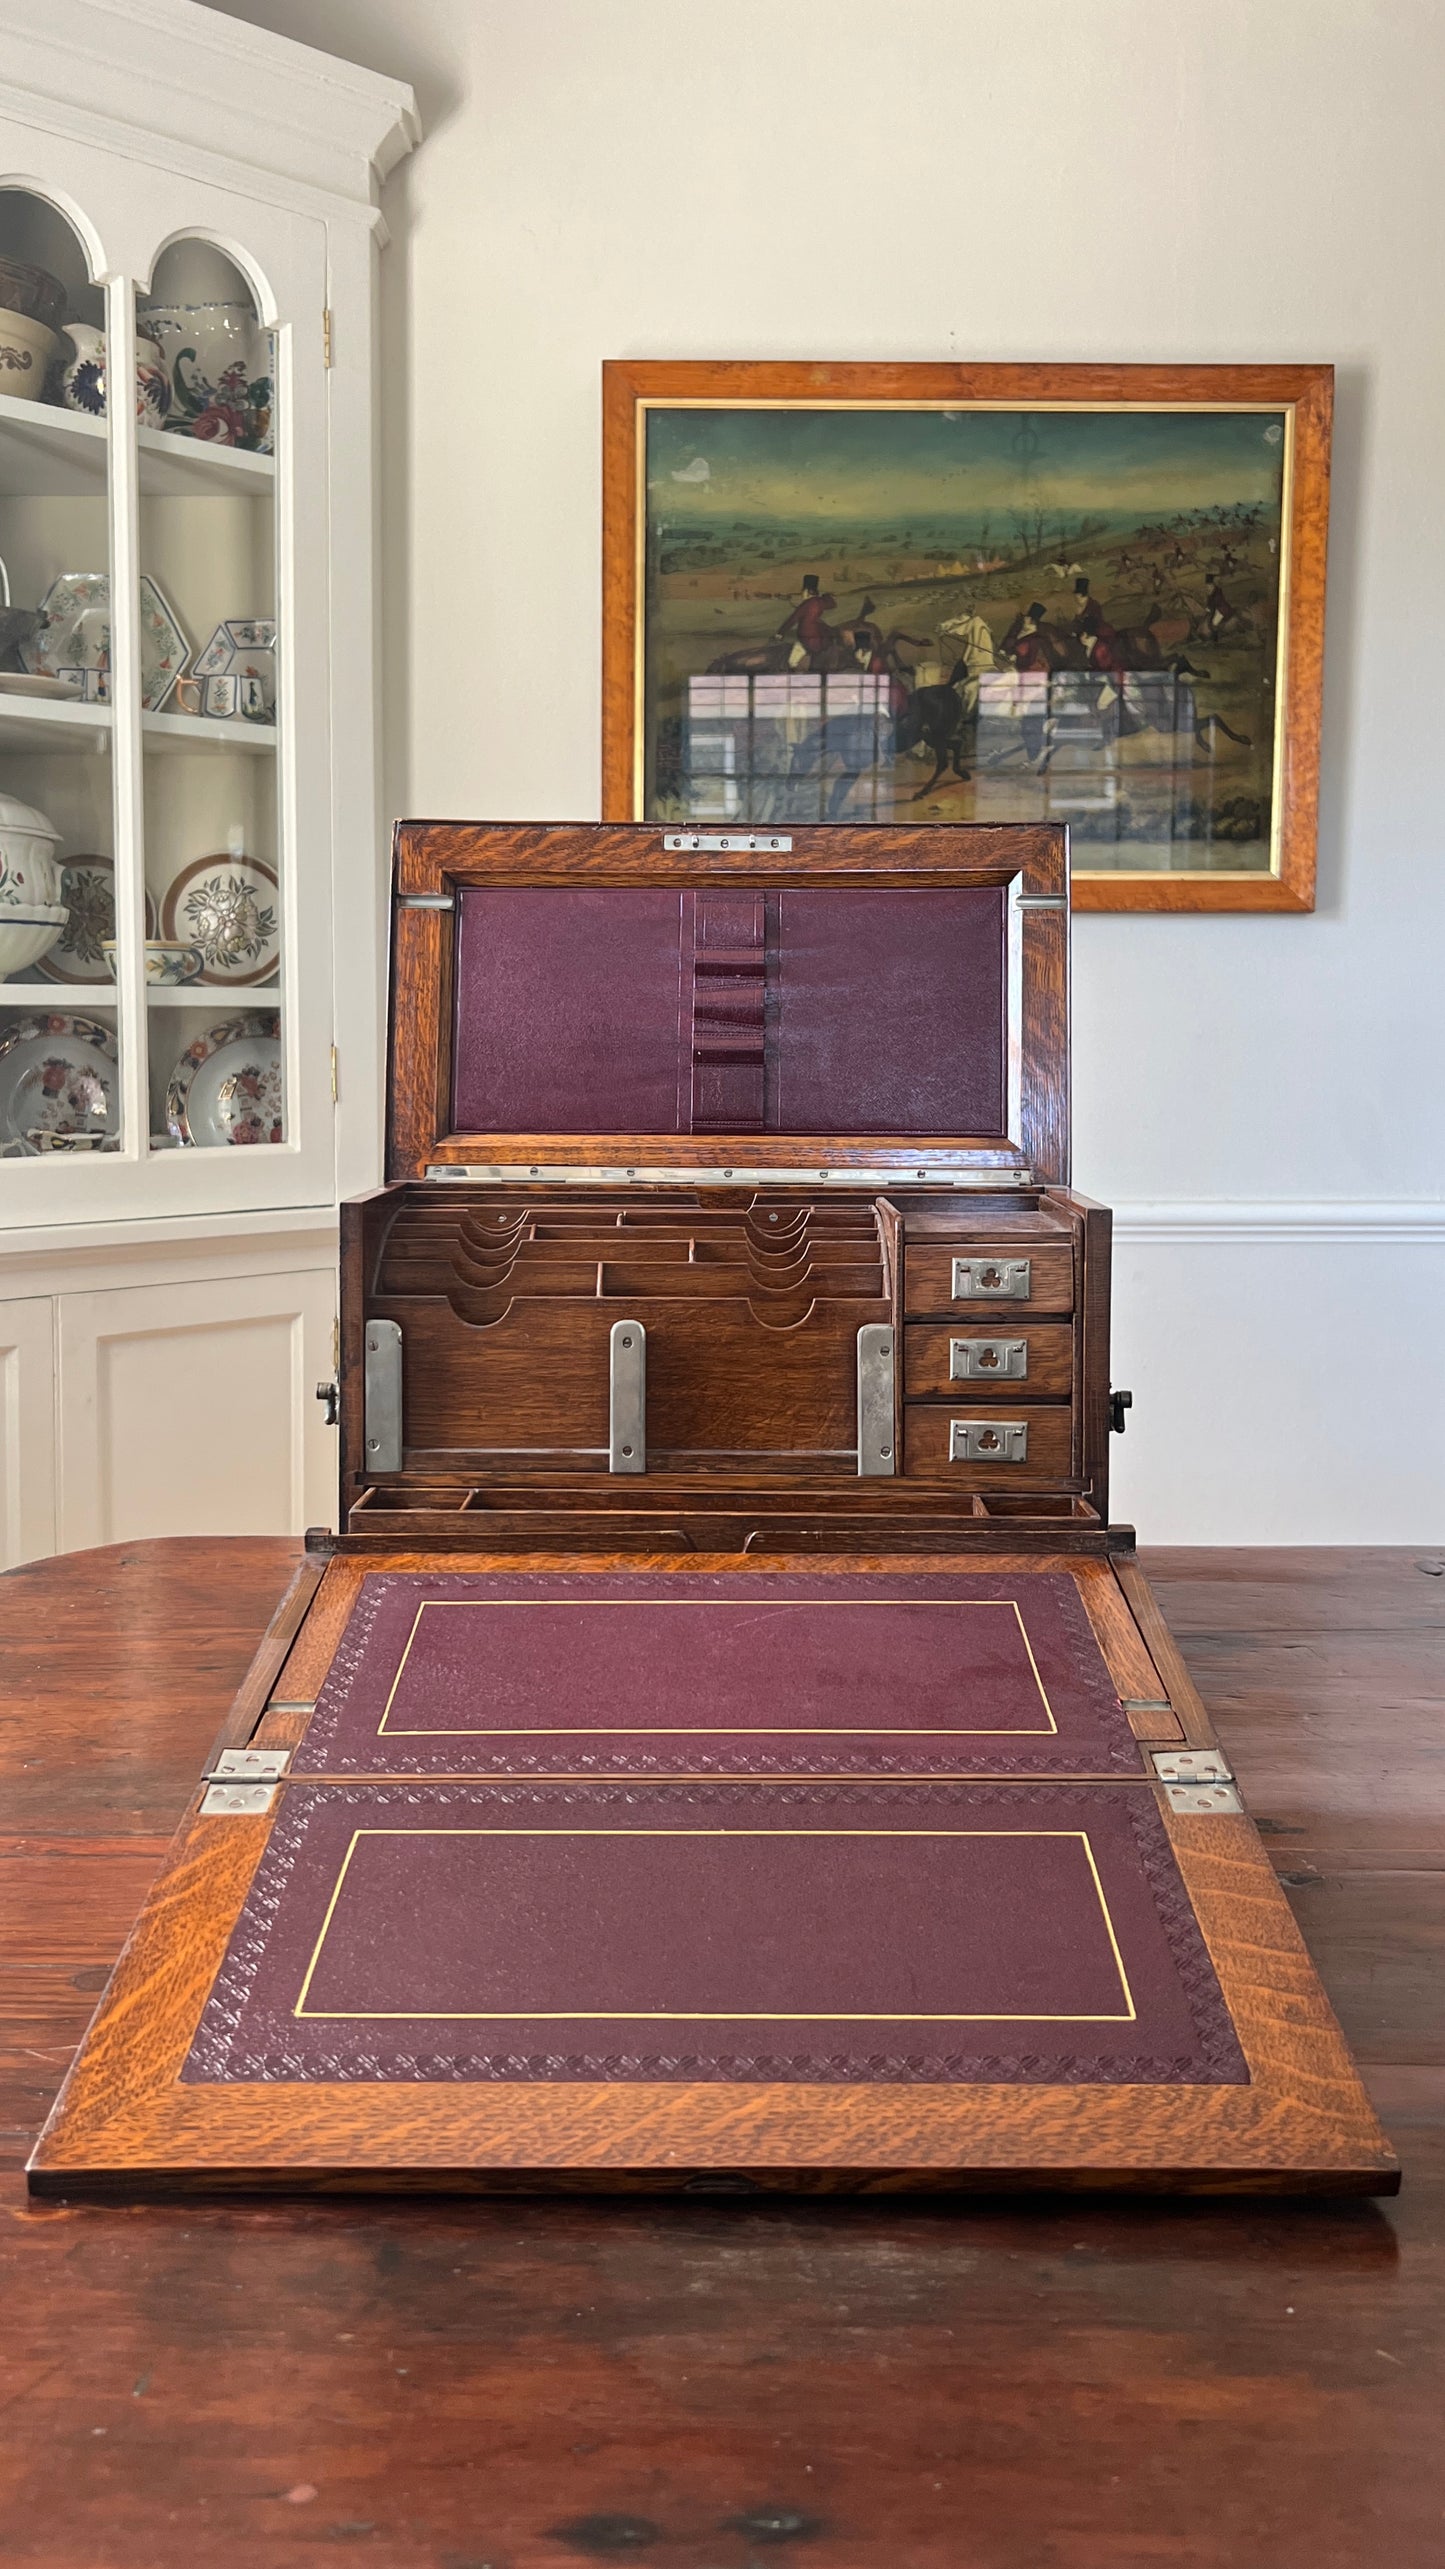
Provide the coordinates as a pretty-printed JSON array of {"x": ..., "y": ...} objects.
[
  {"x": 1031, "y": 1276},
  {"x": 970, "y": 1360},
  {"x": 977, "y": 1447}
]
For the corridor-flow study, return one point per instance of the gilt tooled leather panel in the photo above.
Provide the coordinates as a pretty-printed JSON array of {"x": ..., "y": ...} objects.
[
  {"x": 1024, "y": 1933},
  {"x": 618, "y": 1673}
]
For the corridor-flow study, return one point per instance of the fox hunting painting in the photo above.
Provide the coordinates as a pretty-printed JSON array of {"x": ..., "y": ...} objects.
[{"x": 925, "y": 594}]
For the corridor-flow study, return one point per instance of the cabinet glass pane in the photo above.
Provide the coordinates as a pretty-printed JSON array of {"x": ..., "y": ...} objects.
[
  {"x": 214, "y": 860},
  {"x": 60, "y": 1087}
]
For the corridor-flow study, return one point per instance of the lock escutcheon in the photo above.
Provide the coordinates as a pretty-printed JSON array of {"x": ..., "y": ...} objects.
[{"x": 988, "y": 1360}]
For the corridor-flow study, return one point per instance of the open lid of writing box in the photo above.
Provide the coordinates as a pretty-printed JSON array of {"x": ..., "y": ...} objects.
[{"x": 881, "y": 1006}]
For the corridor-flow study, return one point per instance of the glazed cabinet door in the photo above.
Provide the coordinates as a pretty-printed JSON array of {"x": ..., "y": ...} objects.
[{"x": 165, "y": 719}]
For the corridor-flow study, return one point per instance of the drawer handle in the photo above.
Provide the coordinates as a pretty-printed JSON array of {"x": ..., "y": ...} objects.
[
  {"x": 988, "y": 1440},
  {"x": 988, "y": 1360},
  {"x": 991, "y": 1279}
]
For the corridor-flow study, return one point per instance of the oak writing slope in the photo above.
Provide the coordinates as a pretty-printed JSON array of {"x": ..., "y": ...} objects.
[{"x": 727, "y": 1745}]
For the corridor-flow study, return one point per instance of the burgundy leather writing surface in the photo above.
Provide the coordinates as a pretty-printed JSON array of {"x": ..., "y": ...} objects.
[
  {"x": 1024, "y": 1932},
  {"x": 897, "y": 1673},
  {"x": 625, "y": 1010}
]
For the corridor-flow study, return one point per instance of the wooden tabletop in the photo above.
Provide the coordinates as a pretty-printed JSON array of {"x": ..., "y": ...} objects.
[{"x": 424, "y": 2385}]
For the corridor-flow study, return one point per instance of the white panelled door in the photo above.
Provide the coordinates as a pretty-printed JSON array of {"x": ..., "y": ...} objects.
[
  {"x": 191, "y": 1409},
  {"x": 27, "y": 1430}
]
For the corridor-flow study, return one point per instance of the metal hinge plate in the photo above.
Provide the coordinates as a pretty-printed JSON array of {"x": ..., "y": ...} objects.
[
  {"x": 726, "y": 843},
  {"x": 249, "y": 1766},
  {"x": 1040, "y": 901},
  {"x": 877, "y": 1457},
  {"x": 988, "y": 1440},
  {"x": 237, "y": 1801},
  {"x": 1203, "y": 1801},
  {"x": 1192, "y": 1766},
  {"x": 427, "y": 901}
]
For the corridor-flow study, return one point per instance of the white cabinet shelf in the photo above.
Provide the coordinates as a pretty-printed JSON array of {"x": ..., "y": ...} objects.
[
  {"x": 49, "y": 453},
  {"x": 48, "y": 723},
  {"x": 205, "y": 731}
]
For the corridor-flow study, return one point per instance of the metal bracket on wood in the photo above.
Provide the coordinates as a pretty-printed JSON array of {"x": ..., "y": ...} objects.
[
  {"x": 249, "y": 1766},
  {"x": 1041, "y": 901},
  {"x": 382, "y": 1428},
  {"x": 237, "y": 1801},
  {"x": 877, "y": 1455},
  {"x": 428, "y": 901},
  {"x": 1196, "y": 1780},
  {"x": 627, "y": 1398}
]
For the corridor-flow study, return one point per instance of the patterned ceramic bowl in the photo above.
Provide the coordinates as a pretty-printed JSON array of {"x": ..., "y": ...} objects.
[
  {"x": 27, "y": 351},
  {"x": 168, "y": 966}
]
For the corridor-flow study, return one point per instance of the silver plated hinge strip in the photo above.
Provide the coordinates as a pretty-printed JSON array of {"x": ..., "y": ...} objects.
[
  {"x": 993, "y": 1181},
  {"x": 428, "y": 901},
  {"x": 877, "y": 1453},
  {"x": 1203, "y": 1801},
  {"x": 1040, "y": 901},
  {"x": 726, "y": 843},
  {"x": 992, "y": 1279},
  {"x": 383, "y": 1396},
  {"x": 627, "y": 1398},
  {"x": 988, "y": 1440},
  {"x": 1192, "y": 1766},
  {"x": 249, "y": 1766},
  {"x": 988, "y": 1360},
  {"x": 237, "y": 1801}
]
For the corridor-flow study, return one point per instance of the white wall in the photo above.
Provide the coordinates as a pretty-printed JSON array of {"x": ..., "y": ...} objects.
[{"x": 1078, "y": 178}]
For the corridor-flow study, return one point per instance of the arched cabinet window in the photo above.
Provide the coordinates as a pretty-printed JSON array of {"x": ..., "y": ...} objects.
[{"x": 187, "y": 683}]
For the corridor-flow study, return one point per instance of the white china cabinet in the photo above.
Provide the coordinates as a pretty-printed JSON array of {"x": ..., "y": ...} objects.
[{"x": 191, "y": 851}]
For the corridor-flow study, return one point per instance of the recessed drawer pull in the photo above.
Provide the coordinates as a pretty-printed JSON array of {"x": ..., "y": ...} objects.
[
  {"x": 991, "y": 1279},
  {"x": 988, "y": 1360},
  {"x": 988, "y": 1440}
]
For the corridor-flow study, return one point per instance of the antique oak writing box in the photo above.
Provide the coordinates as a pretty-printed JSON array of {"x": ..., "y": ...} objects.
[{"x": 727, "y": 1743}]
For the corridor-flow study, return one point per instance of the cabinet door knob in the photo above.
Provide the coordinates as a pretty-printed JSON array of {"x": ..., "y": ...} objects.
[
  {"x": 1119, "y": 1402},
  {"x": 330, "y": 1395}
]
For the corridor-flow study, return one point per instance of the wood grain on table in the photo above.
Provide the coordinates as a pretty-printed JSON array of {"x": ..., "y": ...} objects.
[{"x": 1058, "y": 2385}]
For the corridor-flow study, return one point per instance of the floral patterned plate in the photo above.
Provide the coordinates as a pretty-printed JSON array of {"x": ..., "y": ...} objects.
[
  {"x": 230, "y": 907},
  {"x": 87, "y": 889},
  {"x": 72, "y": 632},
  {"x": 227, "y": 1085},
  {"x": 59, "y": 1076}
]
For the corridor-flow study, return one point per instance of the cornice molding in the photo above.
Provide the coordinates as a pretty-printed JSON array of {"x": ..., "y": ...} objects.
[{"x": 227, "y": 95}]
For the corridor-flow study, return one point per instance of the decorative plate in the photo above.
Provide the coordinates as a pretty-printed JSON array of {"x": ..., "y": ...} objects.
[
  {"x": 227, "y": 1085},
  {"x": 59, "y": 1076},
  {"x": 230, "y": 907},
  {"x": 72, "y": 631},
  {"x": 87, "y": 888},
  {"x": 244, "y": 647}
]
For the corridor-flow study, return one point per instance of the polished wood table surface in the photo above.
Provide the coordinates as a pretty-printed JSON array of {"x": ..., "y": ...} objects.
[{"x": 1065, "y": 2384}]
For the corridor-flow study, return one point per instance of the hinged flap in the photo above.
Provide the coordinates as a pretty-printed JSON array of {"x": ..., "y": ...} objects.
[{"x": 629, "y": 1000}]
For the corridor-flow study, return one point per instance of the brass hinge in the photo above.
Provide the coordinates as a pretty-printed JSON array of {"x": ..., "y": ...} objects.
[
  {"x": 335, "y": 1090},
  {"x": 326, "y": 336}
]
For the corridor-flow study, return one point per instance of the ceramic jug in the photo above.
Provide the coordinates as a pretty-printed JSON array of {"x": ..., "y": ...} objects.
[{"x": 82, "y": 381}]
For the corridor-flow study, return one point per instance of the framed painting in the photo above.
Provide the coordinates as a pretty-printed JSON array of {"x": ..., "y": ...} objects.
[{"x": 925, "y": 593}]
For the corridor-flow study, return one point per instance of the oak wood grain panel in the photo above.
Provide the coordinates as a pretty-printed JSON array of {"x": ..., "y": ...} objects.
[
  {"x": 926, "y": 1435},
  {"x": 928, "y": 1279},
  {"x": 1304, "y": 2117},
  {"x": 927, "y": 1357}
]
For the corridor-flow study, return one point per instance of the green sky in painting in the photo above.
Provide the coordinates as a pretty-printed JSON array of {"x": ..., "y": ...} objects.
[{"x": 856, "y": 466}]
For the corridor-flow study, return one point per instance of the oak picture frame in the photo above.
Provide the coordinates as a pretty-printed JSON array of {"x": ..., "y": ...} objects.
[{"x": 1293, "y": 629}]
